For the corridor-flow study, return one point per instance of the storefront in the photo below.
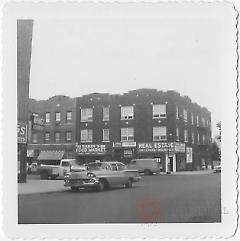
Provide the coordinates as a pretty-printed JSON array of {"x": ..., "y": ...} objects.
[
  {"x": 86, "y": 153},
  {"x": 168, "y": 154},
  {"x": 124, "y": 151}
]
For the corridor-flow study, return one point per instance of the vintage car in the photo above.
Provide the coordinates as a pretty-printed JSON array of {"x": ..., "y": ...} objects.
[
  {"x": 101, "y": 176},
  {"x": 217, "y": 169}
]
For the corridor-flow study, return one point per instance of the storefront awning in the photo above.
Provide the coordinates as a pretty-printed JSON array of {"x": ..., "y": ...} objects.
[
  {"x": 51, "y": 155},
  {"x": 30, "y": 153}
]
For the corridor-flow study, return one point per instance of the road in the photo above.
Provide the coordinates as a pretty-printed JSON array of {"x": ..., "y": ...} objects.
[{"x": 163, "y": 198}]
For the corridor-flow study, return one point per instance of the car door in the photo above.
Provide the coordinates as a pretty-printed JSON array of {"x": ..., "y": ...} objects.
[
  {"x": 64, "y": 168},
  {"x": 123, "y": 177}
]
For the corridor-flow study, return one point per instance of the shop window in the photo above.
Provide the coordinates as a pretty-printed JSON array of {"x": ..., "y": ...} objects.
[
  {"x": 57, "y": 137},
  {"x": 68, "y": 136},
  {"x": 47, "y": 117},
  {"x": 127, "y": 134},
  {"x": 159, "y": 133},
  {"x": 47, "y": 137},
  {"x": 185, "y": 117},
  {"x": 177, "y": 134},
  {"x": 105, "y": 134},
  {"x": 86, "y": 135},
  {"x": 34, "y": 138},
  {"x": 185, "y": 135},
  {"x": 159, "y": 111},
  {"x": 86, "y": 114},
  {"x": 105, "y": 113},
  {"x": 126, "y": 112},
  {"x": 57, "y": 116},
  {"x": 69, "y": 116}
]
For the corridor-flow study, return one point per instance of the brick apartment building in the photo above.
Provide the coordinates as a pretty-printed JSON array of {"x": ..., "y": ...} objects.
[
  {"x": 140, "y": 123},
  {"x": 143, "y": 123},
  {"x": 58, "y": 135}
]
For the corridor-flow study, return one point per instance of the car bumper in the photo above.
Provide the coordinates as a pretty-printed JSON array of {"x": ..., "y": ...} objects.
[
  {"x": 81, "y": 183},
  {"x": 136, "y": 179}
]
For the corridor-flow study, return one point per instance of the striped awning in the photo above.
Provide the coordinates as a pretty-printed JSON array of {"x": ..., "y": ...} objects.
[
  {"x": 50, "y": 155},
  {"x": 30, "y": 153}
]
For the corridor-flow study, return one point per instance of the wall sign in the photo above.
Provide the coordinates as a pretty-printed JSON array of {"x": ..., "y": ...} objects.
[
  {"x": 90, "y": 149},
  {"x": 125, "y": 144},
  {"x": 148, "y": 147},
  {"x": 188, "y": 154},
  {"x": 22, "y": 132}
]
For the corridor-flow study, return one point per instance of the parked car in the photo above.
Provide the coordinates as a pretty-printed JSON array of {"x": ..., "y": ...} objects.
[
  {"x": 148, "y": 166},
  {"x": 217, "y": 168},
  {"x": 101, "y": 176},
  {"x": 57, "y": 168}
]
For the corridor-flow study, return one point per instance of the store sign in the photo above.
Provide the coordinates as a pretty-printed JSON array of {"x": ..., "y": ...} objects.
[
  {"x": 179, "y": 147},
  {"x": 125, "y": 144},
  {"x": 37, "y": 122},
  {"x": 22, "y": 133},
  {"x": 189, "y": 154},
  {"x": 160, "y": 147},
  {"x": 90, "y": 149},
  {"x": 128, "y": 153}
]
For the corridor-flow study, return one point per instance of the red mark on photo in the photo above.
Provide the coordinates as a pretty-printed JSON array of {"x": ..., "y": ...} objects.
[{"x": 149, "y": 210}]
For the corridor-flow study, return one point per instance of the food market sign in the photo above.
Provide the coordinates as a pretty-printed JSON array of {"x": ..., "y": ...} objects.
[
  {"x": 147, "y": 147},
  {"x": 22, "y": 132},
  {"x": 90, "y": 149}
]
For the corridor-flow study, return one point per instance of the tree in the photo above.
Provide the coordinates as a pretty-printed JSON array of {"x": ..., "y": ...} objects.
[{"x": 215, "y": 152}]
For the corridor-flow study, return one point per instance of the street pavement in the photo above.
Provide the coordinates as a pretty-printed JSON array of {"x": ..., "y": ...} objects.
[{"x": 160, "y": 198}]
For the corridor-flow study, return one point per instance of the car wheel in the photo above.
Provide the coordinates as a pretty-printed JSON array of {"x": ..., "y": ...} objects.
[
  {"x": 74, "y": 189},
  {"x": 147, "y": 172},
  {"x": 129, "y": 183},
  {"x": 101, "y": 186}
]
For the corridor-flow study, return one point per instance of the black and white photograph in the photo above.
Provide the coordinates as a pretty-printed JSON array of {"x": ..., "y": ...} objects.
[{"x": 126, "y": 114}]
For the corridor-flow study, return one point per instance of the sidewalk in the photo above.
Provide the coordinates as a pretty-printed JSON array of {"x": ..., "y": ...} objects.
[
  {"x": 41, "y": 186},
  {"x": 202, "y": 172}
]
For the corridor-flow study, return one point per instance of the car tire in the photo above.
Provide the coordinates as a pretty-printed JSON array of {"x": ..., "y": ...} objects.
[
  {"x": 129, "y": 183},
  {"x": 44, "y": 175},
  {"x": 147, "y": 172},
  {"x": 74, "y": 189},
  {"x": 101, "y": 186}
]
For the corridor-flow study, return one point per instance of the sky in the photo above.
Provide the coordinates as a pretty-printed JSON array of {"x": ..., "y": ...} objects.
[{"x": 73, "y": 57}]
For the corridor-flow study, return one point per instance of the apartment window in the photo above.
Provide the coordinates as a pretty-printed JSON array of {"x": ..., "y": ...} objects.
[
  {"x": 58, "y": 116},
  {"x": 193, "y": 138},
  {"x": 204, "y": 139},
  {"x": 105, "y": 134},
  {"x": 177, "y": 114},
  {"x": 69, "y": 116},
  {"x": 127, "y": 134},
  {"x": 185, "y": 118},
  {"x": 57, "y": 137},
  {"x": 159, "y": 111},
  {"x": 197, "y": 120},
  {"x": 185, "y": 136},
  {"x": 86, "y": 135},
  {"x": 177, "y": 134},
  {"x": 47, "y": 137},
  {"x": 203, "y": 121},
  {"x": 34, "y": 139},
  {"x": 87, "y": 114},
  {"x": 192, "y": 119},
  {"x": 105, "y": 113},
  {"x": 126, "y": 112},
  {"x": 47, "y": 117},
  {"x": 198, "y": 138},
  {"x": 68, "y": 136},
  {"x": 159, "y": 133}
]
